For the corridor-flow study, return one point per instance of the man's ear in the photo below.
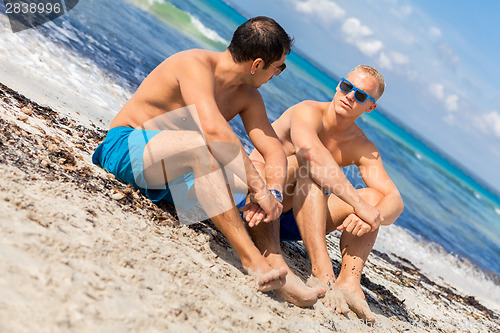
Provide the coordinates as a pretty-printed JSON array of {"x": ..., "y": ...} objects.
[
  {"x": 371, "y": 108},
  {"x": 257, "y": 63}
]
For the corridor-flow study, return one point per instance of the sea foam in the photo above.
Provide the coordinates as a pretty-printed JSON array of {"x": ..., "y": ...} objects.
[
  {"x": 207, "y": 32},
  {"x": 437, "y": 264},
  {"x": 40, "y": 68}
]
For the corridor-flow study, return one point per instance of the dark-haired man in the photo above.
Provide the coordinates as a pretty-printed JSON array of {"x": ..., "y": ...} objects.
[
  {"x": 319, "y": 138},
  {"x": 172, "y": 138}
]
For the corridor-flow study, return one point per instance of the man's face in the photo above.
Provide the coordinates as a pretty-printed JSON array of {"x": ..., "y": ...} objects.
[
  {"x": 346, "y": 104},
  {"x": 264, "y": 75}
]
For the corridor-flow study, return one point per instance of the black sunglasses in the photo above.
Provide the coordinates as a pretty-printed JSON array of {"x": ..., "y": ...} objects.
[
  {"x": 279, "y": 69},
  {"x": 360, "y": 95}
]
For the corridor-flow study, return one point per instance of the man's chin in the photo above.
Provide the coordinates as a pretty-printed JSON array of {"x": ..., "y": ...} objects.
[{"x": 342, "y": 112}]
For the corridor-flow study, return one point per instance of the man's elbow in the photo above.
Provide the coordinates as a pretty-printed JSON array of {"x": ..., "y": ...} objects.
[
  {"x": 304, "y": 154},
  {"x": 397, "y": 207},
  {"x": 273, "y": 151},
  {"x": 400, "y": 206},
  {"x": 214, "y": 133}
]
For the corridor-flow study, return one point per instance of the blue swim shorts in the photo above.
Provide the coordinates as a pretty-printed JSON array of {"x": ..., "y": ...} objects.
[
  {"x": 288, "y": 226},
  {"x": 121, "y": 154}
]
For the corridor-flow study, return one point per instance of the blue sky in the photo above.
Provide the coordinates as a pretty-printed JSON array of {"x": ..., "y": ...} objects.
[{"x": 439, "y": 59}]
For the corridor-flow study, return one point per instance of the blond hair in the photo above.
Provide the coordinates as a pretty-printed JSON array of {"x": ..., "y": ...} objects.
[{"x": 374, "y": 74}]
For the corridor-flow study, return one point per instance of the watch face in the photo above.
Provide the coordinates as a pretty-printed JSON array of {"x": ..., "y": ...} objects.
[{"x": 277, "y": 194}]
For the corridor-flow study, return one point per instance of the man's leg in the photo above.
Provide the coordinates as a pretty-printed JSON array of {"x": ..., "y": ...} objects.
[
  {"x": 268, "y": 277},
  {"x": 186, "y": 151},
  {"x": 266, "y": 237},
  {"x": 310, "y": 209},
  {"x": 295, "y": 291},
  {"x": 355, "y": 251}
]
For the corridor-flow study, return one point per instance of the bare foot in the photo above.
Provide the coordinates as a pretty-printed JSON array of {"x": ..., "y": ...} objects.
[
  {"x": 270, "y": 280},
  {"x": 333, "y": 298},
  {"x": 298, "y": 293},
  {"x": 357, "y": 303}
]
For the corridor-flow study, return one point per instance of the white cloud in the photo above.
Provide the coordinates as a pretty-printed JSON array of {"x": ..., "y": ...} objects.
[
  {"x": 489, "y": 123},
  {"x": 384, "y": 61},
  {"x": 356, "y": 33},
  {"x": 402, "y": 12},
  {"x": 369, "y": 47},
  {"x": 326, "y": 10},
  {"x": 447, "y": 53},
  {"x": 437, "y": 90},
  {"x": 435, "y": 32},
  {"x": 400, "y": 58},
  {"x": 449, "y": 101},
  {"x": 353, "y": 29}
]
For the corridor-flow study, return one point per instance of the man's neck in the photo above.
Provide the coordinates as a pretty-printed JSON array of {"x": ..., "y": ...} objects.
[
  {"x": 335, "y": 123},
  {"x": 228, "y": 74}
]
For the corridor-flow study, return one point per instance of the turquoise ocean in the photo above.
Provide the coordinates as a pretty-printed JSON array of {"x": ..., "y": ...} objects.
[{"x": 450, "y": 228}]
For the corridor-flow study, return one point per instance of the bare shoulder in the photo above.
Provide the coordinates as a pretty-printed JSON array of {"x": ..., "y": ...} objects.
[
  {"x": 193, "y": 55},
  {"x": 307, "y": 112},
  {"x": 311, "y": 106},
  {"x": 301, "y": 108},
  {"x": 361, "y": 146},
  {"x": 307, "y": 108},
  {"x": 196, "y": 62}
]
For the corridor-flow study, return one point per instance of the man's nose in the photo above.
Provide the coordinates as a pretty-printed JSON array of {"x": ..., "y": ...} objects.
[{"x": 350, "y": 95}]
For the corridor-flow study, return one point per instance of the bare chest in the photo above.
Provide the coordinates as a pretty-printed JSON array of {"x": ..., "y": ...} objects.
[{"x": 339, "y": 149}]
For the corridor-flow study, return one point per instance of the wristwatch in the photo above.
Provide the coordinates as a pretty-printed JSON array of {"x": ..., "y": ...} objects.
[{"x": 277, "y": 194}]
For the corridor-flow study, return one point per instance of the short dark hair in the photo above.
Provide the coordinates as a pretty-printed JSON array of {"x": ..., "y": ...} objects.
[{"x": 260, "y": 37}]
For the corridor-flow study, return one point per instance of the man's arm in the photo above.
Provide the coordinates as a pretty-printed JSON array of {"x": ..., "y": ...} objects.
[
  {"x": 375, "y": 177},
  {"x": 265, "y": 141},
  {"x": 306, "y": 123},
  {"x": 196, "y": 83},
  {"x": 272, "y": 159}
]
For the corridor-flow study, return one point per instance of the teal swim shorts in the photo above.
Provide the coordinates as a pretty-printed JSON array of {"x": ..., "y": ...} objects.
[{"x": 121, "y": 154}]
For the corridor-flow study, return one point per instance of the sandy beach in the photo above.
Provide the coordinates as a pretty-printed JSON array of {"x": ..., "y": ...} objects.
[{"x": 83, "y": 252}]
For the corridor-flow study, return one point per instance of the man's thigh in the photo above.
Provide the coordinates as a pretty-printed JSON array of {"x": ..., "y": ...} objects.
[
  {"x": 291, "y": 182},
  {"x": 171, "y": 154},
  {"x": 337, "y": 211}
]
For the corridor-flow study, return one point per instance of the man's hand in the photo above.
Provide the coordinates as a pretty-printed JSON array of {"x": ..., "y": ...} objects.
[
  {"x": 369, "y": 214},
  {"x": 271, "y": 206},
  {"x": 254, "y": 215},
  {"x": 266, "y": 209},
  {"x": 354, "y": 225}
]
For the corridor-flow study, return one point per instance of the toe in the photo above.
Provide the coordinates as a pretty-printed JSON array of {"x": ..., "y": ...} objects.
[{"x": 321, "y": 292}]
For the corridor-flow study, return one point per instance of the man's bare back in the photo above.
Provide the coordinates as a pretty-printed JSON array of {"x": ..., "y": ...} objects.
[{"x": 161, "y": 91}]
